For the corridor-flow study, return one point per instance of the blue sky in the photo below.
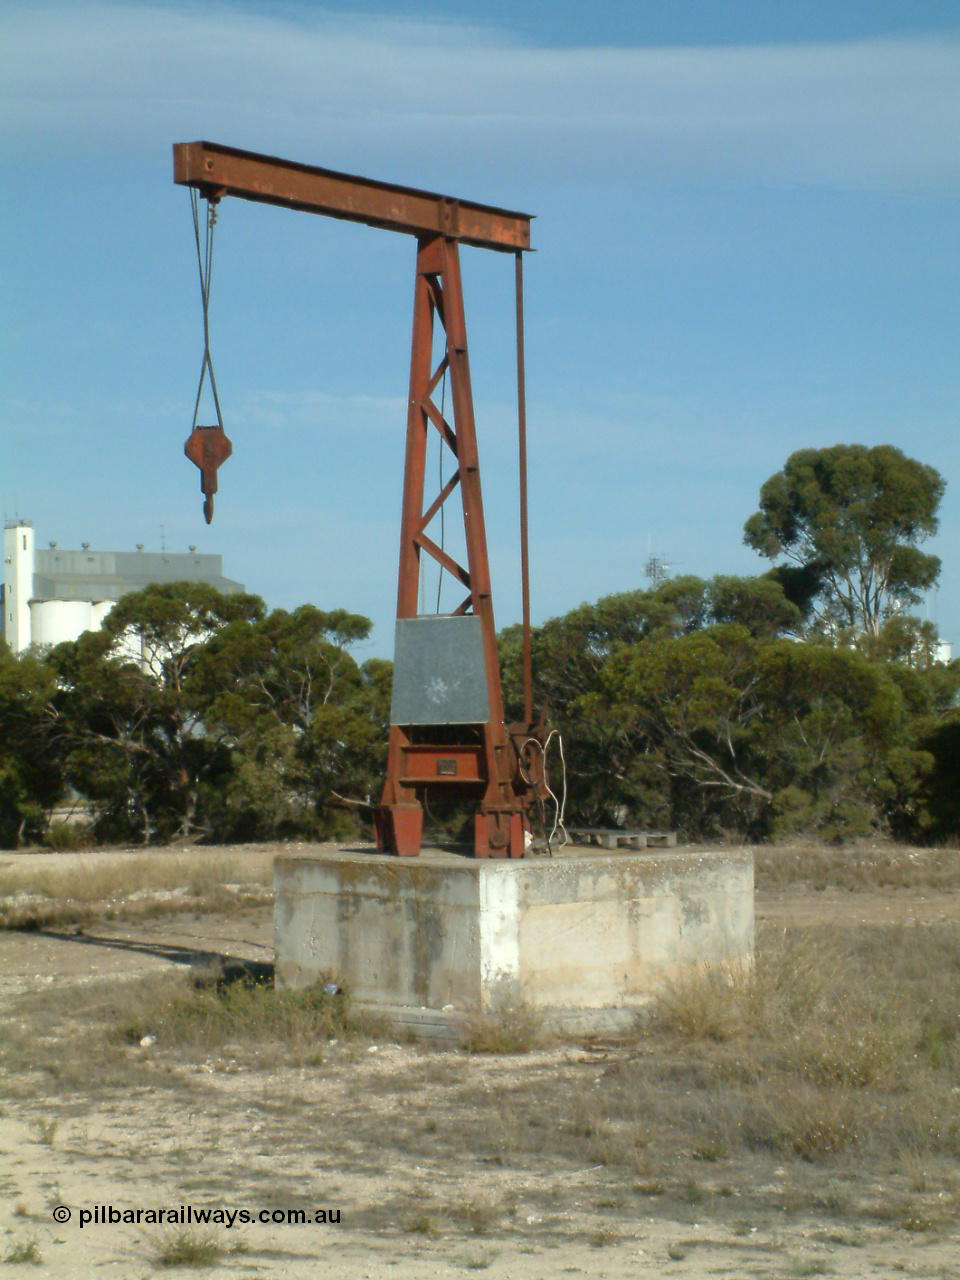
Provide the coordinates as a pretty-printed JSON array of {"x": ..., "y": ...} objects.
[{"x": 747, "y": 243}]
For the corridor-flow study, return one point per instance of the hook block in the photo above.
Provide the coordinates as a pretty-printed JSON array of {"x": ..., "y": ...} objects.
[{"x": 208, "y": 448}]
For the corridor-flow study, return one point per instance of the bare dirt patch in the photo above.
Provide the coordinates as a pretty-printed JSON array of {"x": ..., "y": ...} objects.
[{"x": 805, "y": 1122}]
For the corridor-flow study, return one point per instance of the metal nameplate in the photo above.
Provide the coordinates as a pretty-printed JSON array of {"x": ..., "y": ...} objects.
[{"x": 439, "y": 674}]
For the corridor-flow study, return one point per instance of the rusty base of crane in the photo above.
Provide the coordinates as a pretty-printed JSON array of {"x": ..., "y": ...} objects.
[
  {"x": 423, "y": 767},
  {"x": 208, "y": 448},
  {"x": 398, "y": 828},
  {"x": 497, "y": 833}
]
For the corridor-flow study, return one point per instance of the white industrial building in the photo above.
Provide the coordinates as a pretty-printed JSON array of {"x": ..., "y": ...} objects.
[{"x": 55, "y": 594}]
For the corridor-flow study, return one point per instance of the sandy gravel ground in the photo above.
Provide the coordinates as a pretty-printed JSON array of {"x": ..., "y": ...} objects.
[{"x": 224, "y": 1132}]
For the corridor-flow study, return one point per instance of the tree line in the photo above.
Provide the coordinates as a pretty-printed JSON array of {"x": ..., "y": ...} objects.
[
  {"x": 195, "y": 715},
  {"x": 807, "y": 699}
]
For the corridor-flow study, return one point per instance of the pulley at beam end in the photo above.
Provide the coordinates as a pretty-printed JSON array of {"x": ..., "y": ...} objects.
[{"x": 208, "y": 448}]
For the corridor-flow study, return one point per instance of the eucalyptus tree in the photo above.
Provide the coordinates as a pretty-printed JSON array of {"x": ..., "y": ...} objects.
[
  {"x": 32, "y": 776},
  {"x": 852, "y": 519}
]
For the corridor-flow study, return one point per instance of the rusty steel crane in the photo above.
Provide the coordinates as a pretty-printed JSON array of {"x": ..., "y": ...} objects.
[{"x": 447, "y": 730}]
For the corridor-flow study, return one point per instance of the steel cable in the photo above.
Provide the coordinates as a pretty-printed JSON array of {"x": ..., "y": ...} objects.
[{"x": 205, "y": 267}]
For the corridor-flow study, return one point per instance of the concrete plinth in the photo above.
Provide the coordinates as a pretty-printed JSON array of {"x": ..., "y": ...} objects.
[{"x": 586, "y": 937}]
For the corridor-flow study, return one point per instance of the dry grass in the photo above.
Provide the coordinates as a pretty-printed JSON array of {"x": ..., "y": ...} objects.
[
  {"x": 857, "y": 867},
  {"x": 426, "y": 1214},
  {"x": 47, "y": 1130},
  {"x": 184, "y": 1016},
  {"x": 421, "y": 1224},
  {"x": 187, "y": 1014},
  {"x": 834, "y": 1048},
  {"x": 134, "y": 885},
  {"x": 510, "y": 1026},
  {"x": 477, "y": 1215},
  {"x": 832, "y": 1040},
  {"x": 23, "y": 1253},
  {"x": 188, "y": 1247}
]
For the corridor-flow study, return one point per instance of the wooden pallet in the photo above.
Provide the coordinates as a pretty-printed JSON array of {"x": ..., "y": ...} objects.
[{"x": 614, "y": 837}]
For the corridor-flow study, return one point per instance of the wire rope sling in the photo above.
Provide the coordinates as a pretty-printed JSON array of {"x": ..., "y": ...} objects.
[{"x": 207, "y": 447}]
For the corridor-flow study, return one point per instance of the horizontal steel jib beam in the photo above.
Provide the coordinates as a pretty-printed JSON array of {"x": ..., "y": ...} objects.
[{"x": 225, "y": 171}]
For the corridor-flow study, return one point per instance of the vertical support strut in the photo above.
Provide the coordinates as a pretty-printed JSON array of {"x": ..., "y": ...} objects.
[
  {"x": 398, "y": 822},
  {"x": 499, "y": 824},
  {"x": 524, "y": 540}
]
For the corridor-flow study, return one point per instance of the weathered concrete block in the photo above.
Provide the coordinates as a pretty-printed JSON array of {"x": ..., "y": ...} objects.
[{"x": 586, "y": 937}]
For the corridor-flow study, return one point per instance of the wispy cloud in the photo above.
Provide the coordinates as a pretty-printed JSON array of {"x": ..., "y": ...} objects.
[
  {"x": 274, "y": 410},
  {"x": 106, "y": 77}
]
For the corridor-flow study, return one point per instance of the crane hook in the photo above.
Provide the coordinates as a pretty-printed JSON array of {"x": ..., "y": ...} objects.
[{"x": 208, "y": 448}]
